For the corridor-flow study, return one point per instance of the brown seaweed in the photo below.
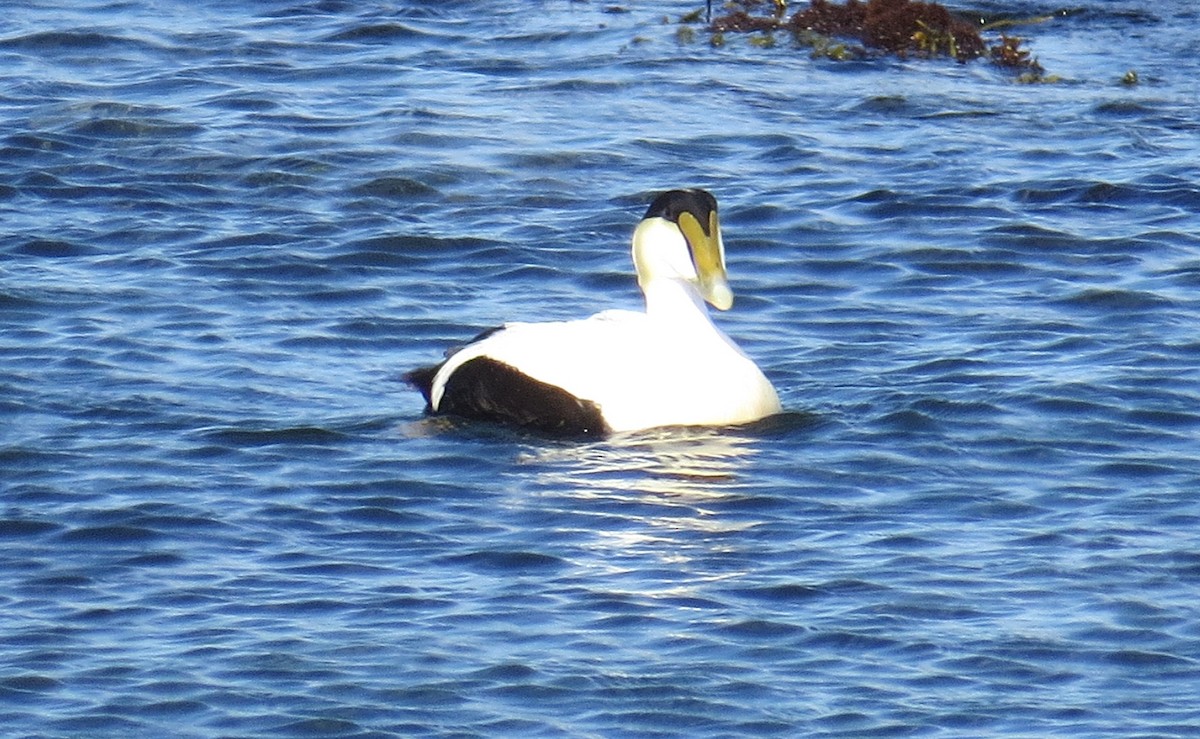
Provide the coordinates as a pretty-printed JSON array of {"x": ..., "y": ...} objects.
[{"x": 905, "y": 28}]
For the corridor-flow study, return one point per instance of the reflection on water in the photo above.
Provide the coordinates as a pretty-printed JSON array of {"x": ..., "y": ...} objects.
[
  {"x": 675, "y": 475},
  {"x": 649, "y": 495},
  {"x": 669, "y": 462}
]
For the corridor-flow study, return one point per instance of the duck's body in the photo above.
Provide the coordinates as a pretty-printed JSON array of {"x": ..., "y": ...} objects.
[{"x": 620, "y": 370}]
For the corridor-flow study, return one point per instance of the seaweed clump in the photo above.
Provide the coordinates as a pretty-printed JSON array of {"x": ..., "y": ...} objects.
[
  {"x": 1009, "y": 54},
  {"x": 901, "y": 27}
]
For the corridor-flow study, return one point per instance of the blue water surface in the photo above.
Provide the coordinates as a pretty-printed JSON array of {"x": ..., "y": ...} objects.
[{"x": 227, "y": 228}]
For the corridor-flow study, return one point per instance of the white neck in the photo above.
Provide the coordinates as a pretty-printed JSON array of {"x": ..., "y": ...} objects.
[{"x": 678, "y": 302}]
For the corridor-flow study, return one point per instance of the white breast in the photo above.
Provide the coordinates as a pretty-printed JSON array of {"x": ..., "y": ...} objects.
[{"x": 640, "y": 373}]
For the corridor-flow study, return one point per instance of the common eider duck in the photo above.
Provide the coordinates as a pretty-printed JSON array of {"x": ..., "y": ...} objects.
[{"x": 619, "y": 370}]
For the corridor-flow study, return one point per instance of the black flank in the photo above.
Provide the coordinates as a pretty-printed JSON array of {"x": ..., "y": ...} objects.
[
  {"x": 422, "y": 377},
  {"x": 493, "y": 391}
]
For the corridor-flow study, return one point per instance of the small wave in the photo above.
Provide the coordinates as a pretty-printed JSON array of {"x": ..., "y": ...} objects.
[
  {"x": 53, "y": 249},
  {"x": 17, "y": 528},
  {"x": 516, "y": 562},
  {"x": 43, "y": 41},
  {"x": 378, "y": 32},
  {"x": 291, "y": 436},
  {"x": 394, "y": 188},
  {"x": 23, "y": 685},
  {"x": 125, "y": 128},
  {"x": 757, "y": 628},
  {"x": 112, "y": 534},
  {"x": 1123, "y": 108},
  {"x": 378, "y": 252},
  {"x": 1117, "y": 301},
  {"x": 783, "y": 593}
]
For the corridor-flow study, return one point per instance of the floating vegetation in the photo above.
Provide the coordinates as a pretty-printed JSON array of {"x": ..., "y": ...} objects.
[{"x": 863, "y": 29}]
